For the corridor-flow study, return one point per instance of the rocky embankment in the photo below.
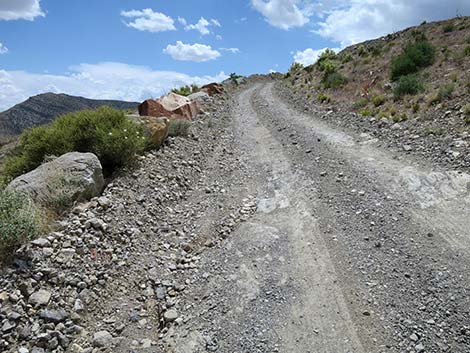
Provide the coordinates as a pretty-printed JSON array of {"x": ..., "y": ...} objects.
[
  {"x": 436, "y": 135},
  {"x": 109, "y": 277}
]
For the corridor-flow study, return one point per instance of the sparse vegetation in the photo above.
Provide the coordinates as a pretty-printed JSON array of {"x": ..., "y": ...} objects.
[
  {"x": 106, "y": 132},
  {"x": 378, "y": 100},
  {"x": 409, "y": 84},
  {"x": 365, "y": 112},
  {"x": 361, "y": 103},
  {"x": 333, "y": 80},
  {"x": 445, "y": 92},
  {"x": 186, "y": 90},
  {"x": 179, "y": 127},
  {"x": 448, "y": 27},
  {"x": 466, "y": 113},
  {"x": 19, "y": 222},
  {"x": 323, "y": 98}
]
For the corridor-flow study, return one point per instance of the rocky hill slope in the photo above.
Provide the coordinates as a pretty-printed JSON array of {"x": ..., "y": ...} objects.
[
  {"x": 427, "y": 102},
  {"x": 43, "y": 108}
]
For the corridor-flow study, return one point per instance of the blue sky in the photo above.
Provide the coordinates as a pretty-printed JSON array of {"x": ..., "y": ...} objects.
[{"x": 123, "y": 49}]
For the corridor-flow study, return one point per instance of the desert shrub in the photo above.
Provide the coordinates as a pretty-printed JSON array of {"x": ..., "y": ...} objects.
[
  {"x": 333, "y": 80},
  {"x": 378, "y": 100},
  {"x": 19, "y": 222},
  {"x": 416, "y": 107},
  {"x": 186, "y": 90},
  {"x": 309, "y": 68},
  {"x": 365, "y": 112},
  {"x": 179, "y": 127},
  {"x": 445, "y": 92},
  {"x": 435, "y": 131},
  {"x": 409, "y": 84},
  {"x": 323, "y": 98},
  {"x": 414, "y": 57},
  {"x": 108, "y": 133},
  {"x": 466, "y": 51},
  {"x": 466, "y": 113},
  {"x": 375, "y": 50},
  {"x": 345, "y": 58},
  {"x": 361, "y": 103},
  {"x": 399, "y": 117},
  {"x": 327, "y": 66},
  {"x": 361, "y": 51},
  {"x": 448, "y": 27},
  {"x": 328, "y": 54}
]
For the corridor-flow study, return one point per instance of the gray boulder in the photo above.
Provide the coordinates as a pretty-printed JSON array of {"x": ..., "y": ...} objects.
[
  {"x": 198, "y": 96},
  {"x": 59, "y": 183}
]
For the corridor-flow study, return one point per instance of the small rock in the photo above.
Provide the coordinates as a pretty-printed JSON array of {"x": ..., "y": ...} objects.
[
  {"x": 41, "y": 242},
  {"x": 419, "y": 347},
  {"x": 40, "y": 298},
  {"x": 102, "y": 339},
  {"x": 55, "y": 316},
  {"x": 170, "y": 315}
]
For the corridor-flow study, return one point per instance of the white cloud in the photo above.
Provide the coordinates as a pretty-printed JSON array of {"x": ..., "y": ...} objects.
[
  {"x": 353, "y": 21},
  {"x": 148, "y": 20},
  {"x": 20, "y": 10},
  {"x": 202, "y": 25},
  {"x": 191, "y": 52},
  {"x": 183, "y": 21},
  {"x": 107, "y": 80},
  {"x": 3, "y": 49},
  {"x": 310, "y": 56},
  {"x": 218, "y": 37},
  {"x": 283, "y": 14},
  {"x": 231, "y": 50}
]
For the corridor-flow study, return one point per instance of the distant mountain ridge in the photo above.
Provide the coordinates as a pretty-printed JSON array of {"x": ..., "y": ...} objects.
[{"x": 44, "y": 108}]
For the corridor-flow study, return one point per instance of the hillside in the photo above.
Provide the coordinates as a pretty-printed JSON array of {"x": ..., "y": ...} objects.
[
  {"x": 43, "y": 108},
  {"x": 375, "y": 80}
]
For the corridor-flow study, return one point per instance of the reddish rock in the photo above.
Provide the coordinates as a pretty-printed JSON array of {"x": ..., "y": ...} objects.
[
  {"x": 212, "y": 89},
  {"x": 171, "y": 106}
]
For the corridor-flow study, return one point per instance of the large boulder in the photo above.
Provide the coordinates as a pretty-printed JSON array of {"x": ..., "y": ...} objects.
[
  {"x": 171, "y": 105},
  {"x": 157, "y": 128},
  {"x": 198, "y": 96},
  {"x": 59, "y": 183},
  {"x": 212, "y": 89}
]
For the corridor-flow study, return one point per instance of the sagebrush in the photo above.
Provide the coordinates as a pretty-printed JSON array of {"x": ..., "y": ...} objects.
[
  {"x": 114, "y": 138},
  {"x": 19, "y": 222}
]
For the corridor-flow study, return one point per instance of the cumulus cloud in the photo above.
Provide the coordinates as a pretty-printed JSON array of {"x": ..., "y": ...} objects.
[
  {"x": 20, "y": 10},
  {"x": 231, "y": 50},
  {"x": 3, "y": 49},
  {"x": 148, "y": 20},
  {"x": 283, "y": 14},
  {"x": 353, "y": 21},
  {"x": 191, "y": 52},
  {"x": 108, "y": 80},
  {"x": 309, "y": 56},
  {"x": 202, "y": 25}
]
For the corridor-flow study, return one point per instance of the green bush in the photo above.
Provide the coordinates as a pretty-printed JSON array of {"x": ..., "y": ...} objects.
[
  {"x": 409, "y": 84},
  {"x": 19, "y": 222},
  {"x": 449, "y": 27},
  {"x": 328, "y": 54},
  {"x": 361, "y": 103},
  {"x": 333, "y": 80},
  {"x": 322, "y": 98},
  {"x": 345, "y": 58},
  {"x": 378, "y": 100},
  {"x": 327, "y": 66},
  {"x": 445, "y": 92},
  {"x": 365, "y": 112},
  {"x": 106, "y": 132},
  {"x": 179, "y": 127},
  {"x": 186, "y": 90},
  {"x": 466, "y": 51},
  {"x": 466, "y": 112},
  {"x": 414, "y": 57}
]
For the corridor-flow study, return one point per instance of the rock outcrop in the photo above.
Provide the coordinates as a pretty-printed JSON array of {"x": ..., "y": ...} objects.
[
  {"x": 157, "y": 128},
  {"x": 171, "y": 105},
  {"x": 212, "y": 89},
  {"x": 57, "y": 184}
]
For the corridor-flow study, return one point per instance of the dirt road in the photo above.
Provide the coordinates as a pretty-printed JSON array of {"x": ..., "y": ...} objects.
[
  {"x": 266, "y": 230},
  {"x": 351, "y": 249}
]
